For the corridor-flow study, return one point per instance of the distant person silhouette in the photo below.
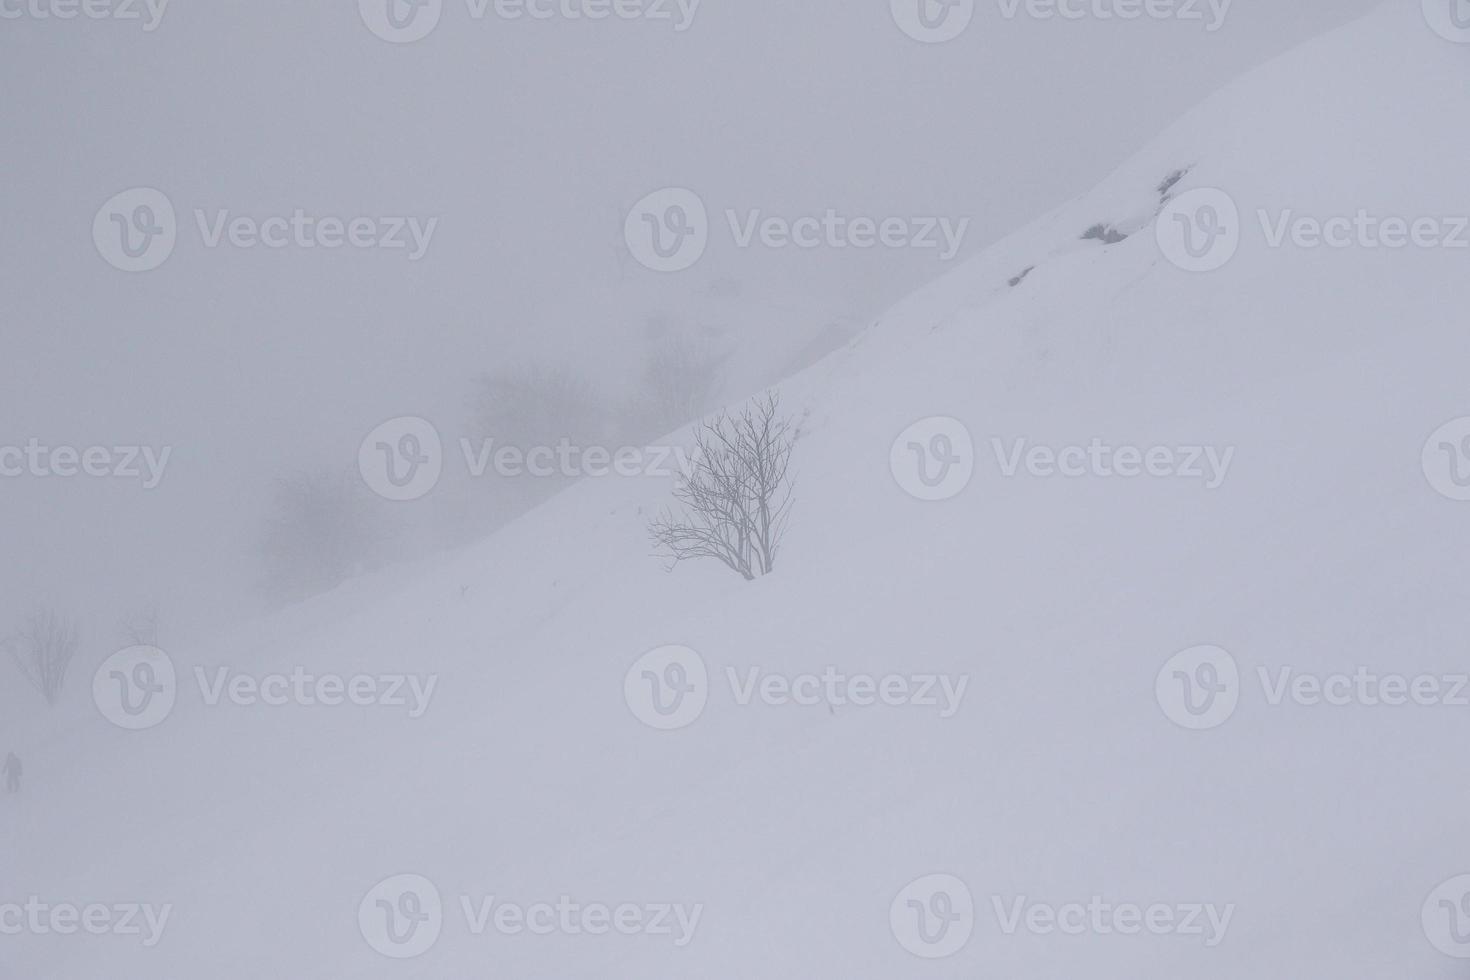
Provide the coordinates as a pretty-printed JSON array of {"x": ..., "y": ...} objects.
[{"x": 13, "y": 772}]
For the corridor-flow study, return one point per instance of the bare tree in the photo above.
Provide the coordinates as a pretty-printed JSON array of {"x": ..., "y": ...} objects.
[
  {"x": 43, "y": 648},
  {"x": 737, "y": 498}
]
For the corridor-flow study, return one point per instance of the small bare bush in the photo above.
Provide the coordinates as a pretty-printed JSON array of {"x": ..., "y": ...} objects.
[
  {"x": 43, "y": 649},
  {"x": 736, "y": 500},
  {"x": 537, "y": 406}
]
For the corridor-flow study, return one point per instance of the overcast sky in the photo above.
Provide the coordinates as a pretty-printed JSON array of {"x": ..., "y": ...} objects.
[{"x": 528, "y": 141}]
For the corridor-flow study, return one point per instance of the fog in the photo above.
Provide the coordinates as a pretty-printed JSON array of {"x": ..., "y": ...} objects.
[{"x": 528, "y": 142}]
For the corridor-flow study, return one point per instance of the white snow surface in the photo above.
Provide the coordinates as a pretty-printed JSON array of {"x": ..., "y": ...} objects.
[{"x": 1059, "y": 778}]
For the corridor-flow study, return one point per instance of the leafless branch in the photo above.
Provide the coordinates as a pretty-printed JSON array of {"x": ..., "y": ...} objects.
[
  {"x": 43, "y": 648},
  {"x": 736, "y": 501}
]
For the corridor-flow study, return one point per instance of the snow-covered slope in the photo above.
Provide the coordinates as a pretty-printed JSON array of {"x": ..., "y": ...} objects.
[{"x": 1059, "y": 778}]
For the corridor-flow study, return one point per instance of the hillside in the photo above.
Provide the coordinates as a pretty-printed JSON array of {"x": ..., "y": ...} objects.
[{"x": 1314, "y": 375}]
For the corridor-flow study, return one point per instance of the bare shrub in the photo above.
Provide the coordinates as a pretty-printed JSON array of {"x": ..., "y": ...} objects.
[
  {"x": 1106, "y": 234},
  {"x": 43, "y": 648},
  {"x": 1020, "y": 278},
  {"x": 537, "y": 406},
  {"x": 1168, "y": 183},
  {"x": 737, "y": 499}
]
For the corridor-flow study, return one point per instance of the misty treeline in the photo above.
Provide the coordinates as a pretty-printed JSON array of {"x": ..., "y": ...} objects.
[
  {"x": 46, "y": 641},
  {"x": 325, "y": 526}
]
